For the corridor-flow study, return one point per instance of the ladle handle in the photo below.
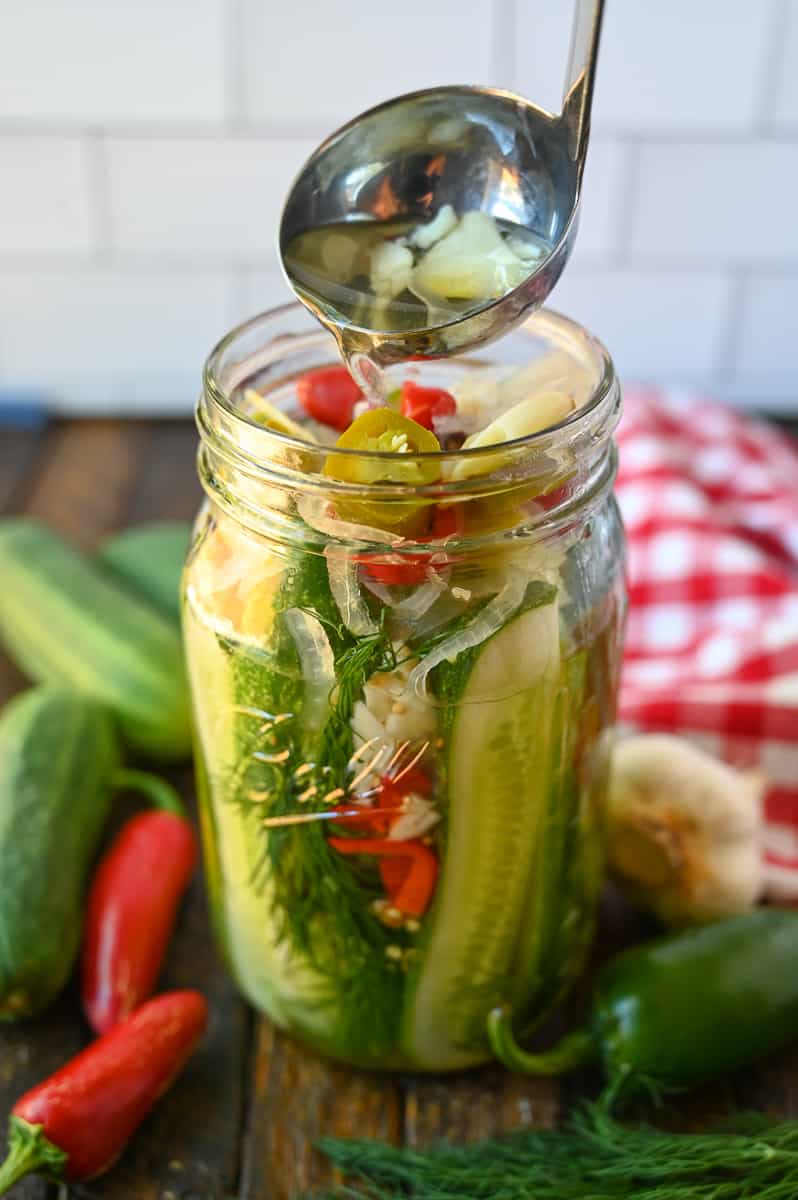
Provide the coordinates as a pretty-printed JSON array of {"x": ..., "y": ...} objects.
[{"x": 578, "y": 93}]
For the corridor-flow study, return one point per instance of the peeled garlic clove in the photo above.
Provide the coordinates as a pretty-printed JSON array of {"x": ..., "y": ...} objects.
[
  {"x": 536, "y": 413},
  {"x": 473, "y": 262},
  {"x": 425, "y": 236},
  {"x": 684, "y": 829},
  {"x": 391, "y": 268}
]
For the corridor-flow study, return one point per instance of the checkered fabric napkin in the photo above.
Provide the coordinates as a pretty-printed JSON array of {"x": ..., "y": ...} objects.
[{"x": 710, "y": 503}]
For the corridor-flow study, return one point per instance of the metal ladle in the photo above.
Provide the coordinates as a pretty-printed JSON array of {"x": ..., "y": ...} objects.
[{"x": 472, "y": 148}]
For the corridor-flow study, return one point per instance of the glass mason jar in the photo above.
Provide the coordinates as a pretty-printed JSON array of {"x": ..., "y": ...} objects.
[{"x": 402, "y": 722}]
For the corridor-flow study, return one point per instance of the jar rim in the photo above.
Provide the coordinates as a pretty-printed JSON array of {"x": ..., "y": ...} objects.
[{"x": 545, "y": 322}]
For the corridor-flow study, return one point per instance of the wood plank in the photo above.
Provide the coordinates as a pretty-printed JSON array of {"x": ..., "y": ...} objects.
[
  {"x": 771, "y": 1086},
  {"x": 83, "y": 482},
  {"x": 466, "y": 1108},
  {"x": 295, "y": 1098},
  {"x": 18, "y": 450},
  {"x": 167, "y": 488}
]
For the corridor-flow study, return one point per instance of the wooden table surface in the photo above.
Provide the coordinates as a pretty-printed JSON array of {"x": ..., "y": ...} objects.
[{"x": 242, "y": 1119}]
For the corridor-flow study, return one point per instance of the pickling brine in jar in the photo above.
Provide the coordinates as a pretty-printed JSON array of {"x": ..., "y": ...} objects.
[{"x": 403, "y": 633}]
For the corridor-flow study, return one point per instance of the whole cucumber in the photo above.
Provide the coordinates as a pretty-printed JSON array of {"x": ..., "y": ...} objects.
[
  {"x": 64, "y": 620},
  {"x": 59, "y": 753},
  {"x": 149, "y": 559}
]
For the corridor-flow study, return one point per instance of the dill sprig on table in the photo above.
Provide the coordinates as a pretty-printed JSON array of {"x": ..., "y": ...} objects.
[{"x": 594, "y": 1157}]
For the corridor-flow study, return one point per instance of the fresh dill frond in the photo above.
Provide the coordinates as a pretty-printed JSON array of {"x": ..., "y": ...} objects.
[
  {"x": 320, "y": 902},
  {"x": 594, "y": 1157}
]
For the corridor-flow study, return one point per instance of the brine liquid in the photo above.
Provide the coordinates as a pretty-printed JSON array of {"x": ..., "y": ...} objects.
[{"x": 333, "y": 266}]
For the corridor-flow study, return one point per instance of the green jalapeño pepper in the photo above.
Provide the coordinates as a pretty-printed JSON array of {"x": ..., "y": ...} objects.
[
  {"x": 389, "y": 444},
  {"x": 681, "y": 1009}
]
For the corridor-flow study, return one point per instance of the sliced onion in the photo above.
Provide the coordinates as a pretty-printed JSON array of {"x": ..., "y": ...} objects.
[
  {"x": 318, "y": 664},
  {"x": 344, "y": 585},
  {"x": 421, "y": 599},
  {"x": 490, "y": 620},
  {"x": 380, "y": 590},
  {"x": 315, "y": 512}
]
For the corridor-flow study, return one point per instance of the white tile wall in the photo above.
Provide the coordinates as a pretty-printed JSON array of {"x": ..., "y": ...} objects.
[
  {"x": 201, "y": 196},
  {"x": 145, "y": 149},
  {"x": 666, "y": 64},
  {"x": 671, "y": 308},
  {"x": 95, "y": 332},
  {"x": 785, "y": 107},
  {"x": 47, "y": 202},
  {"x": 99, "y": 61},
  {"x": 320, "y": 63},
  {"x": 737, "y": 202}
]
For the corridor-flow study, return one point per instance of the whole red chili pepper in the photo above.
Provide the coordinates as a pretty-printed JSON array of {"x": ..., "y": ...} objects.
[
  {"x": 77, "y": 1123},
  {"x": 132, "y": 905}
]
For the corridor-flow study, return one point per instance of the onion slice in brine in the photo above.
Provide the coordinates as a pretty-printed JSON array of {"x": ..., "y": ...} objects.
[
  {"x": 318, "y": 664},
  {"x": 490, "y": 620},
  {"x": 345, "y": 588}
]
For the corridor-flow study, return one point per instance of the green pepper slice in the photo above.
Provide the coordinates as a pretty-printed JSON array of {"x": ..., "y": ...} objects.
[{"x": 381, "y": 431}]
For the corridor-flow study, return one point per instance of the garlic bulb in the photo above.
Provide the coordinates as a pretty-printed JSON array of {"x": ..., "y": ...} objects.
[{"x": 684, "y": 830}]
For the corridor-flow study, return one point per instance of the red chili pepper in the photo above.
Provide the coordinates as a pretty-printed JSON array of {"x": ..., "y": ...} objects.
[
  {"x": 411, "y": 891},
  {"x": 412, "y": 779},
  {"x": 421, "y": 404},
  {"x": 132, "y": 906},
  {"x": 77, "y": 1123},
  {"x": 329, "y": 395},
  {"x": 410, "y": 569}
]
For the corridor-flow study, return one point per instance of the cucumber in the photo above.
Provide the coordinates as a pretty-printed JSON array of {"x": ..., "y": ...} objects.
[
  {"x": 58, "y": 755},
  {"x": 64, "y": 620},
  {"x": 149, "y": 559},
  {"x": 500, "y": 699}
]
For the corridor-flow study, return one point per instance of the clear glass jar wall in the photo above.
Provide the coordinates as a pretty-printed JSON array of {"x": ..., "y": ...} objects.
[{"x": 401, "y": 744}]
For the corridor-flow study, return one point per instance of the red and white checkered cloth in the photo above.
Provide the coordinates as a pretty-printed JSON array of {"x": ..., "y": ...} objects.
[{"x": 710, "y": 503}]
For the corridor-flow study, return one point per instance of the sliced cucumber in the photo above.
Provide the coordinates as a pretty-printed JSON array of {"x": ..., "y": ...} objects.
[{"x": 499, "y": 768}]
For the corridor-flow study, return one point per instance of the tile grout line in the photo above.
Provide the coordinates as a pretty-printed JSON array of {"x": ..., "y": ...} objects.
[
  {"x": 727, "y": 362},
  {"x": 623, "y": 219},
  {"x": 504, "y": 30},
  {"x": 742, "y": 137},
  {"x": 771, "y": 63},
  {"x": 235, "y": 67},
  {"x": 101, "y": 197}
]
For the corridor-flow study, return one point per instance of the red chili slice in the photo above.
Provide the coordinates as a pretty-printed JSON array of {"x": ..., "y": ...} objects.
[
  {"x": 408, "y": 570},
  {"x": 411, "y": 893},
  {"x": 329, "y": 395},
  {"x": 421, "y": 404}
]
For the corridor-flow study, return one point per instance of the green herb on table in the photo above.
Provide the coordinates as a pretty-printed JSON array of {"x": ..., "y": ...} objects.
[{"x": 592, "y": 1158}]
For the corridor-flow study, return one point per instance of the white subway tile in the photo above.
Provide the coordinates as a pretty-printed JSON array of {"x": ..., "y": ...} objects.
[
  {"x": 204, "y": 195},
  {"x": 785, "y": 112},
  {"x": 262, "y": 289},
  {"x": 655, "y": 324},
  {"x": 46, "y": 203},
  {"x": 601, "y": 197},
  {"x": 732, "y": 200},
  {"x": 684, "y": 63},
  {"x": 768, "y": 330},
  {"x": 321, "y": 63},
  {"x": 110, "y": 322},
  {"x": 100, "y": 60}
]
